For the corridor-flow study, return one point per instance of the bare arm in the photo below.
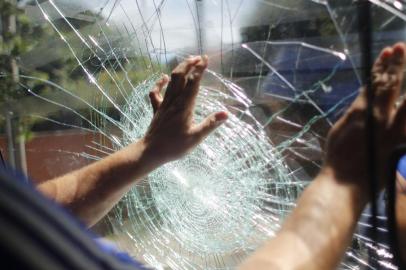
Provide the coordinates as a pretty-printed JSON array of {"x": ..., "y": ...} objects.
[
  {"x": 93, "y": 190},
  {"x": 318, "y": 231}
]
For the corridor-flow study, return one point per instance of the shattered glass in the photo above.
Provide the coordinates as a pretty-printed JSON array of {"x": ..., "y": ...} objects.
[{"x": 284, "y": 70}]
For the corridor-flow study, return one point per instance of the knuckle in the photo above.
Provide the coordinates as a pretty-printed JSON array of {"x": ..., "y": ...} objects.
[
  {"x": 198, "y": 73},
  {"x": 394, "y": 79},
  {"x": 192, "y": 78},
  {"x": 159, "y": 83},
  {"x": 376, "y": 79},
  {"x": 189, "y": 61},
  {"x": 380, "y": 116},
  {"x": 382, "y": 83},
  {"x": 176, "y": 74},
  {"x": 200, "y": 66},
  {"x": 178, "y": 77},
  {"x": 212, "y": 121}
]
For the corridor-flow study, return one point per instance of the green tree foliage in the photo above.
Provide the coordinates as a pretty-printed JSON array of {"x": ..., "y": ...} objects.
[
  {"x": 32, "y": 41},
  {"x": 18, "y": 36}
]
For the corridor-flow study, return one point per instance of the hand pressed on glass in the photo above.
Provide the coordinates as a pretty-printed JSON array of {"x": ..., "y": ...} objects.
[
  {"x": 172, "y": 132},
  {"x": 93, "y": 190}
]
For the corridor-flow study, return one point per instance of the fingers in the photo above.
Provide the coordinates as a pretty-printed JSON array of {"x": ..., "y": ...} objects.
[
  {"x": 196, "y": 76},
  {"x": 184, "y": 84},
  {"x": 381, "y": 62},
  {"x": 185, "y": 67},
  {"x": 209, "y": 124},
  {"x": 155, "y": 95},
  {"x": 179, "y": 77},
  {"x": 387, "y": 78}
]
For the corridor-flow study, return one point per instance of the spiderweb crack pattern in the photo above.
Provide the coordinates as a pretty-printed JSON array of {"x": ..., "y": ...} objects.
[
  {"x": 214, "y": 200},
  {"x": 284, "y": 70}
]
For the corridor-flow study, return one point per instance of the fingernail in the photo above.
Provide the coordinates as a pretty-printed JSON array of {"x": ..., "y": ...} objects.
[
  {"x": 221, "y": 116},
  {"x": 387, "y": 52},
  {"x": 399, "y": 50}
]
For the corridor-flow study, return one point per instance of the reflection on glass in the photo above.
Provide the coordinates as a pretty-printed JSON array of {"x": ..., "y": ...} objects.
[{"x": 75, "y": 75}]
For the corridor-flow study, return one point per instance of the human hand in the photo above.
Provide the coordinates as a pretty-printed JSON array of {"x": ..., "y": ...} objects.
[
  {"x": 173, "y": 132},
  {"x": 346, "y": 145}
]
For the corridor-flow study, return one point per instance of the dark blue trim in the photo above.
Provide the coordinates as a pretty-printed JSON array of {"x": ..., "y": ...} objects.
[{"x": 51, "y": 228}]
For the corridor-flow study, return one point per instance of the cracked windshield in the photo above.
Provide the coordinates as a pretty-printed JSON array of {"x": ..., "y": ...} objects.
[{"x": 75, "y": 81}]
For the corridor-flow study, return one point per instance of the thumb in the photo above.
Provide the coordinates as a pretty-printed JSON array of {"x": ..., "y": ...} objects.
[
  {"x": 155, "y": 100},
  {"x": 209, "y": 124},
  {"x": 155, "y": 95}
]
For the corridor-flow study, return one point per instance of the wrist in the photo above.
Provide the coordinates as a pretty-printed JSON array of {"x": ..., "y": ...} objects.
[
  {"x": 356, "y": 189},
  {"x": 137, "y": 159},
  {"x": 150, "y": 154}
]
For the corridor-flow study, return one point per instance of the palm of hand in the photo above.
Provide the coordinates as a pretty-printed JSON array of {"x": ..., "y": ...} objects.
[{"x": 347, "y": 146}]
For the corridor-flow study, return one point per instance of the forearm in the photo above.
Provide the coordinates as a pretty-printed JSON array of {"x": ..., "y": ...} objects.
[
  {"x": 318, "y": 231},
  {"x": 93, "y": 190}
]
